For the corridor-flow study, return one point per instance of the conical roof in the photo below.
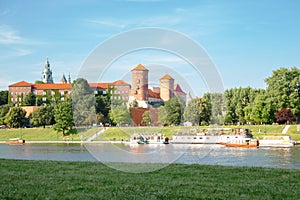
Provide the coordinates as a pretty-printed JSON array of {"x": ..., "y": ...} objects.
[
  {"x": 140, "y": 67},
  {"x": 167, "y": 76}
]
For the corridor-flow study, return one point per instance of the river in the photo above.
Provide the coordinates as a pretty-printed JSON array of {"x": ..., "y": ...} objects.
[{"x": 172, "y": 153}]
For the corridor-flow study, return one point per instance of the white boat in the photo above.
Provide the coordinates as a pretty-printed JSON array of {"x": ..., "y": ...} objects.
[
  {"x": 153, "y": 138},
  {"x": 198, "y": 138},
  {"x": 277, "y": 141}
]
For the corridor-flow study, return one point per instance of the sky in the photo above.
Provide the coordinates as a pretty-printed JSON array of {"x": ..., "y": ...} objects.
[{"x": 246, "y": 40}]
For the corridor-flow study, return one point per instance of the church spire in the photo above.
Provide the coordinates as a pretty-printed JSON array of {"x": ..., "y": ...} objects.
[{"x": 47, "y": 73}]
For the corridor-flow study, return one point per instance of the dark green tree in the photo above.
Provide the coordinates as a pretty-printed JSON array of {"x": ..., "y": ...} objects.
[
  {"x": 102, "y": 106},
  {"x": 16, "y": 117},
  {"x": 192, "y": 112},
  {"x": 162, "y": 116},
  {"x": 4, "y": 109},
  {"x": 3, "y": 97},
  {"x": 30, "y": 99},
  {"x": 43, "y": 116},
  {"x": 63, "y": 115}
]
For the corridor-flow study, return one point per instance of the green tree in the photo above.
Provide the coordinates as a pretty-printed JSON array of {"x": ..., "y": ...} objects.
[
  {"x": 3, "y": 97},
  {"x": 43, "y": 116},
  {"x": 162, "y": 115},
  {"x": 174, "y": 111},
  {"x": 16, "y": 117},
  {"x": 63, "y": 115},
  {"x": 30, "y": 99},
  {"x": 192, "y": 112},
  {"x": 120, "y": 115},
  {"x": 146, "y": 118},
  {"x": 102, "y": 106},
  {"x": 282, "y": 90},
  {"x": 218, "y": 108},
  {"x": 4, "y": 109},
  {"x": 83, "y": 101},
  {"x": 198, "y": 111}
]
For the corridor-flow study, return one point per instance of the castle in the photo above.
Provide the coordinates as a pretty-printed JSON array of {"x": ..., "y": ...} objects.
[{"x": 138, "y": 92}]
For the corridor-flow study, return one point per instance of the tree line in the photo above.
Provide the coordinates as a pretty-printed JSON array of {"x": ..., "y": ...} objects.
[{"x": 278, "y": 103}]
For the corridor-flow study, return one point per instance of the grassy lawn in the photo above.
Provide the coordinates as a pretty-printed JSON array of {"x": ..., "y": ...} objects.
[
  {"x": 43, "y": 134},
  {"x": 93, "y": 180}
]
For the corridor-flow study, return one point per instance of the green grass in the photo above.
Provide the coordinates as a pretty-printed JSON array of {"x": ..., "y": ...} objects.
[
  {"x": 44, "y": 134},
  {"x": 92, "y": 180}
]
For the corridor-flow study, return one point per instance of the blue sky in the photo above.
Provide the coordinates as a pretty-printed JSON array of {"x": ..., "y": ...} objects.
[{"x": 246, "y": 40}]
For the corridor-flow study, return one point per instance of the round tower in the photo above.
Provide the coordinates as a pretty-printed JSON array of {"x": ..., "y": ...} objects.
[
  {"x": 166, "y": 87},
  {"x": 140, "y": 83}
]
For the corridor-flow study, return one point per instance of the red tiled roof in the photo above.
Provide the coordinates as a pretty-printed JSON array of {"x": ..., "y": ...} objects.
[
  {"x": 139, "y": 67},
  {"x": 137, "y": 115},
  {"x": 167, "y": 76},
  {"x": 51, "y": 86},
  {"x": 178, "y": 90},
  {"x": 153, "y": 94},
  {"x": 119, "y": 82},
  {"x": 21, "y": 84},
  {"x": 99, "y": 85}
]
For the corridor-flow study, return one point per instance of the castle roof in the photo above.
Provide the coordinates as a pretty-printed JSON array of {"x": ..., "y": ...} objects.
[
  {"x": 153, "y": 94},
  {"x": 105, "y": 85},
  {"x": 140, "y": 67},
  {"x": 166, "y": 77},
  {"x": 20, "y": 84},
  {"x": 63, "y": 79},
  {"x": 52, "y": 86},
  {"x": 178, "y": 90}
]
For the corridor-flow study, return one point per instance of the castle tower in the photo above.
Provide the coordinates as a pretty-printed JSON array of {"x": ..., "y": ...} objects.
[
  {"x": 140, "y": 83},
  {"x": 166, "y": 87},
  {"x": 47, "y": 73}
]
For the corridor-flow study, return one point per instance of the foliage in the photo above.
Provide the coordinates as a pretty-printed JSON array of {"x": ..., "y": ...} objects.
[
  {"x": 63, "y": 115},
  {"x": 236, "y": 100},
  {"x": 102, "y": 107},
  {"x": 217, "y": 106},
  {"x": 30, "y": 99},
  {"x": 282, "y": 90},
  {"x": 174, "y": 110},
  {"x": 83, "y": 101},
  {"x": 162, "y": 115},
  {"x": 43, "y": 116},
  {"x": 3, "y": 97},
  {"x": 284, "y": 115},
  {"x": 4, "y": 109},
  {"x": 15, "y": 118},
  {"x": 146, "y": 118},
  {"x": 120, "y": 115}
]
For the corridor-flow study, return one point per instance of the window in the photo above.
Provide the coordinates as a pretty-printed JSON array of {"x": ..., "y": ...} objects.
[
  {"x": 104, "y": 92},
  {"x": 12, "y": 99},
  {"x": 52, "y": 93},
  {"x": 62, "y": 99},
  {"x": 44, "y": 93},
  {"x": 95, "y": 92},
  {"x": 62, "y": 93},
  {"x": 44, "y": 99}
]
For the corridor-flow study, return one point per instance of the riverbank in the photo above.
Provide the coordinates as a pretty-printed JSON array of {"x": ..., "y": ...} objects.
[
  {"x": 20, "y": 179},
  {"x": 124, "y": 133}
]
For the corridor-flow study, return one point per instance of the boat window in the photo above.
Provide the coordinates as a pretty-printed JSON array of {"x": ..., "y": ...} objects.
[
  {"x": 195, "y": 138},
  {"x": 200, "y": 138}
]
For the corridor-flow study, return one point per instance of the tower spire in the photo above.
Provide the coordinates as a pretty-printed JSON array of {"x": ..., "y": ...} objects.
[{"x": 47, "y": 73}]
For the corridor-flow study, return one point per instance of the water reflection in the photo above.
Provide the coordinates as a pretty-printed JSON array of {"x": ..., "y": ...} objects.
[{"x": 192, "y": 154}]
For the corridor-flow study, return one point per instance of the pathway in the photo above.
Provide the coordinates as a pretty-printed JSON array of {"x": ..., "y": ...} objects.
[
  {"x": 90, "y": 139},
  {"x": 286, "y": 128}
]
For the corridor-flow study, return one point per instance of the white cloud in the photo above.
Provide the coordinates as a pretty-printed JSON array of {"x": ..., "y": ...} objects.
[
  {"x": 108, "y": 22},
  {"x": 9, "y": 36}
]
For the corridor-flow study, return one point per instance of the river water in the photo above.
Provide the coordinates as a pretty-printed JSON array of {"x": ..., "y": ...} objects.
[{"x": 172, "y": 153}]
